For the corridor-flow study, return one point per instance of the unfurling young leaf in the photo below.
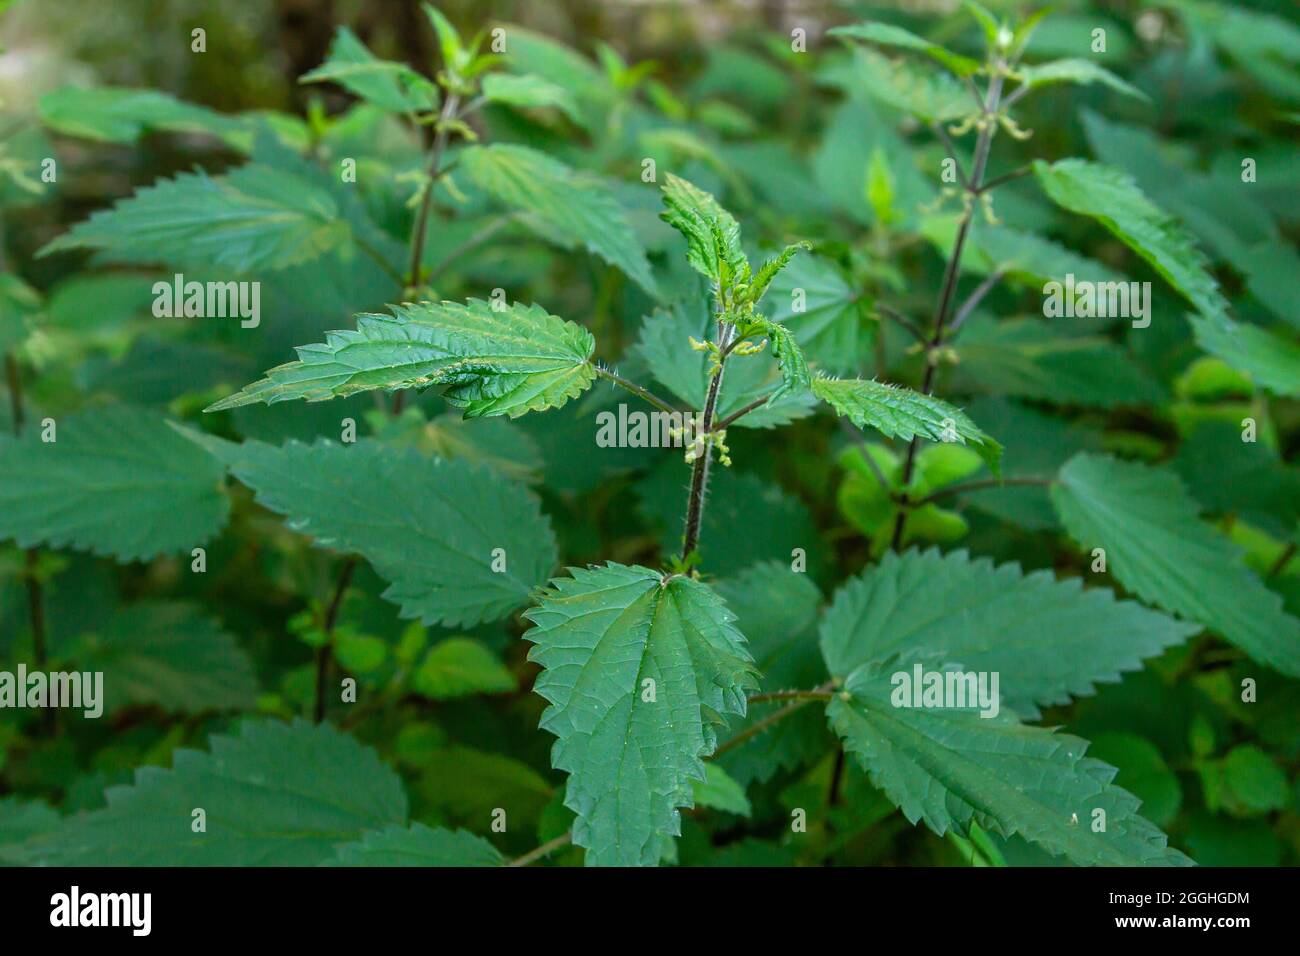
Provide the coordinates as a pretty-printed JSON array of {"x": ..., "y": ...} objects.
[
  {"x": 492, "y": 361},
  {"x": 712, "y": 234},
  {"x": 795, "y": 377}
]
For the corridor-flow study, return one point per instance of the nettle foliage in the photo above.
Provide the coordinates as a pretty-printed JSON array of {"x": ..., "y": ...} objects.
[{"x": 709, "y": 673}]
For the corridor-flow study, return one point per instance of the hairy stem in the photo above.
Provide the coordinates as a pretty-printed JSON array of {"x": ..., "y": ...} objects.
[
  {"x": 636, "y": 389},
  {"x": 985, "y": 140},
  {"x": 775, "y": 695},
  {"x": 700, "y": 473}
]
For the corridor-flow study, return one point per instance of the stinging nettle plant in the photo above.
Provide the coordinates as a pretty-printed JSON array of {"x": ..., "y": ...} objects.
[
  {"x": 633, "y": 728},
  {"x": 671, "y": 687}
]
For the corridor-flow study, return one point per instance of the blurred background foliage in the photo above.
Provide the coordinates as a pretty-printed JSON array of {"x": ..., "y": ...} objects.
[{"x": 796, "y": 146}]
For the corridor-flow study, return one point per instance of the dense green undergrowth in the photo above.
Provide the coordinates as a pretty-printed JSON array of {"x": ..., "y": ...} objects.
[{"x": 863, "y": 446}]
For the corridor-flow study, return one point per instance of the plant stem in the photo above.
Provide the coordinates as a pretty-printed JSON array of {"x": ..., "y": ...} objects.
[
  {"x": 448, "y": 113},
  {"x": 331, "y": 618},
  {"x": 1005, "y": 178},
  {"x": 742, "y": 412},
  {"x": 378, "y": 259},
  {"x": 837, "y": 778},
  {"x": 532, "y": 856},
  {"x": 1283, "y": 560},
  {"x": 790, "y": 695},
  {"x": 700, "y": 473},
  {"x": 953, "y": 270},
  {"x": 902, "y": 320},
  {"x": 637, "y": 390},
  {"x": 754, "y": 729},
  {"x": 974, "y": 299},
  {"x": 951, "y": 490}
]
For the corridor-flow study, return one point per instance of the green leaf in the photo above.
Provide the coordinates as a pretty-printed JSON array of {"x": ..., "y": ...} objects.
[
  {"x": 492, "y": 361},
  {"x": 1271, "y": 361},
  {"x": 770, "y": 269},
  {"x": 417, "y": 845},
  {"x": 795, "y": 377},
  {"x": 1075, "y": 70},
  {"x": 975, "y": 612},
  {"x": 450, "y": 44},
  {"x": 633, "y": 749},
  {"x": 273, "y": 795},
  {"x": 562, "y": 206},
  {"x": 1026, "y": 357},
  {"x": 495, "y": 442},
  {"x": 1253, "y": 782},
  {"x": 712, "y": 234},
  {"x": 984, "y": 17},
  {"x": 902, "y": 413},
  {"x": 528, "y": 92},
  {"x": 1111, "y": 197},
  {"x": 830, "y": 321},
  {"x": 954, "y": 769},
  {"x": 461, "y": 667},
  {"x": 254, "y": 218},
  {"x": 117, "y": 481},
  {"x": 122, "y": 115},
  {"x": 718, "y": 791},
  {"x": 1157, "y": 547},
  {"x": 429, "y": 527},
  {"x": 172, "y": 655},
  {"x": 391, "y": 86},
  {"x": 1143, "y": 772},
  {"x": 929, "y": 96},
  {"x": 20, "y": 821},
  {"x": 887, "y": 34}
]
